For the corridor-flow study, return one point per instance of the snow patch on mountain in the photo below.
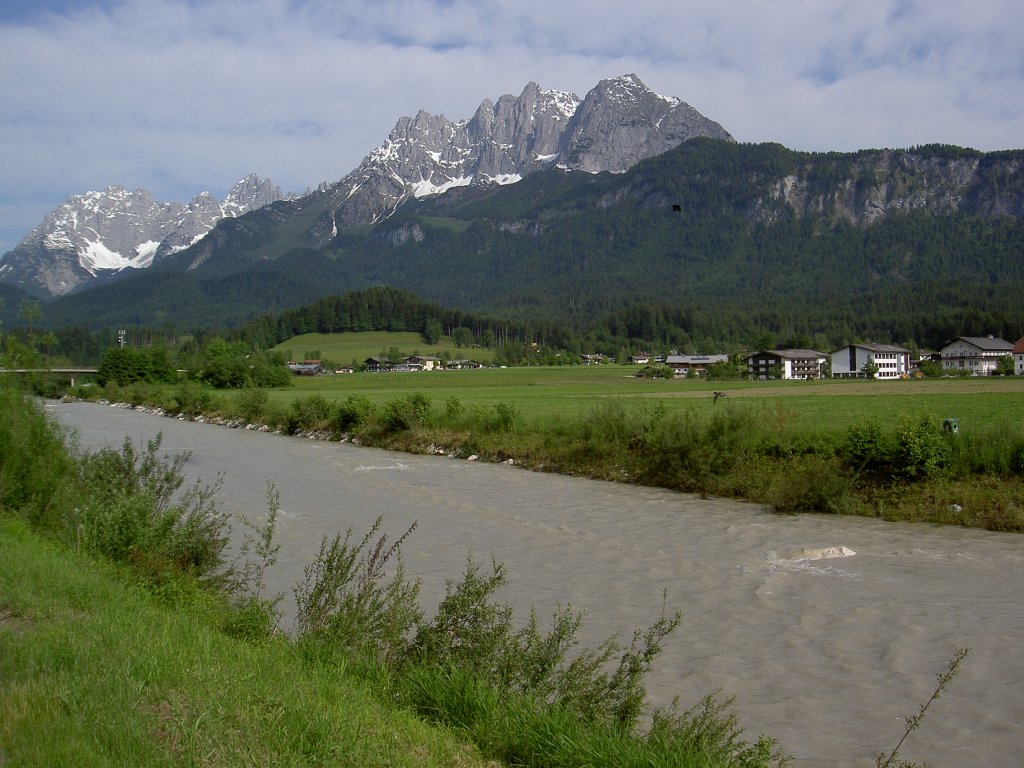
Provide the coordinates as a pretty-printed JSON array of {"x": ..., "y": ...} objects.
[{"x": 104, "y": 232}]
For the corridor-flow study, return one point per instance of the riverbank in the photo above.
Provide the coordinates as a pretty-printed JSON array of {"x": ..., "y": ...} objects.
[
  {"x": 890, "y": 465},
  {"x": 120, "y": 605},
  {"x": 95, "y": 671}
]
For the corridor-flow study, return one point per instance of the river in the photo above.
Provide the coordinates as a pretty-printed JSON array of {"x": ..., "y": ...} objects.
[{"x": 828, "y": 630}]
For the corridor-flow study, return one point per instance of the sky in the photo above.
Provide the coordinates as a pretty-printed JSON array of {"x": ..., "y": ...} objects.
[{"x": 185, "y": 96}]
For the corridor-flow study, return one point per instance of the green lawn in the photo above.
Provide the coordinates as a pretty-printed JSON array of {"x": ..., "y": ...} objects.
[
  {"x": 343, "y": 348},
  {"x": 547, "y": 393}
]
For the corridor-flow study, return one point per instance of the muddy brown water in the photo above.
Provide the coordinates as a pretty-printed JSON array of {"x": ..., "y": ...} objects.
[{"x": 828, "y": 630}]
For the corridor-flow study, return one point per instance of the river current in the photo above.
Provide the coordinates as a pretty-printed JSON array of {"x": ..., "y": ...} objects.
[{"x": 828, "y": 630}]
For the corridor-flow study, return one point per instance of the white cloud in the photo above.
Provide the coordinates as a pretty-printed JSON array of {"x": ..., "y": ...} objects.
[{"x": 180, "y": 96}]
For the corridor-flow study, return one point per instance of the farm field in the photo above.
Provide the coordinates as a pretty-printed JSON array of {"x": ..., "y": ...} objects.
[
  {"x": 343, "y": 348},
  {"x": 543, "y": 394}
]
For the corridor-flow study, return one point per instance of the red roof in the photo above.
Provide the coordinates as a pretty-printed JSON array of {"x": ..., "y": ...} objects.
[{"x": 1018, "y": 348}]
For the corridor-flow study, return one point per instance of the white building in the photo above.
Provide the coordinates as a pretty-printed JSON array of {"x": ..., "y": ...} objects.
[
  {"x": 683, "y": 365},
  {"x": 891, "y": 362},
  {"x": 977, "y": 355},
  {"x": 787, "y": 364},
  {"x": 1018, "y": 357}
]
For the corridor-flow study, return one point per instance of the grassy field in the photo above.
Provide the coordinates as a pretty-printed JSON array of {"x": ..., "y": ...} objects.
[
  {"x": 343, "y": 348},
  {"x": 851, "y": 446},
  {"x": 541, "y": 394},
  {"x": 544, "y": 394}
]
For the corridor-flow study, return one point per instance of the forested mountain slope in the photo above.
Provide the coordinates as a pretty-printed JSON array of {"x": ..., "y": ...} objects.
[{"x": 740, "y": 239}]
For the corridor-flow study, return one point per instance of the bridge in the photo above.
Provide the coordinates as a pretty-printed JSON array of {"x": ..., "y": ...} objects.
[{"x": 72, "y": 372}]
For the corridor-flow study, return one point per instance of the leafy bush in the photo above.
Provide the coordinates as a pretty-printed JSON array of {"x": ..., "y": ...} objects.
[
  {"x": 36, "y": 471},
  {"x": 132, "y": 512},
  {"x": 710, "y": 727},
  {"x": 688, "y": 452},
  {"x": 252, "y": 403},
  {"x": 454, "y": 408},
  {"x": 192, "y": 399},
  {"x": 310, "y": 413},
  {"x": 473, "y": 633},
  {"x": 354, "y": 411},
  {"x": 405, "y": 412},
  {"x": 809, "y": 484},
  {"x": 922, "y": 449},
  {"x": 506, "y": 415}
]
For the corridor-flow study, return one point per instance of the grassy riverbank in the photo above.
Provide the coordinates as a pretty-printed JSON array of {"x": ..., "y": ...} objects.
[
  {"x": 850, "y": 447},
  {"x": 95, "y": 671},
  {"x": 130, "y": 636}
]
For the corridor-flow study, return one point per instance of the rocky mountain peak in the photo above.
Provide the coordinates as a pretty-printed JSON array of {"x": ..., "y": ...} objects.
[
  {"x": 621, "y": 122},
  {"x": 617, "y": 124},
  {"x": 94, "y": 234}
]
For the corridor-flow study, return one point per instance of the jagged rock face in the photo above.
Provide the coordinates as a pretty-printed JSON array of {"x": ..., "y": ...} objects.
[
  {"x": 619, "y": 123},
  {"x": 622, "y": 122},
  {"x": 101, "y": 233},
  {"x": 882, "y": 182}
]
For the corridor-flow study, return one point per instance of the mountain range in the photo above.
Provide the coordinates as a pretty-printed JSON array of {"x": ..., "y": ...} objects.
[
  {"x": 616, "y": 210},
  {"x": 95, "y": 235},
  {"x": 98, "y": 234}
]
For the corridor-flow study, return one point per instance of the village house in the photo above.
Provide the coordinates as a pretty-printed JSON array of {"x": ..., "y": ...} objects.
[
  {"x": 891, "y": 362},
  {"x": 377, "y": 364},
  {"x": 684, "y": 365},
  {"x": 458, "y": 365},
  {"x": 423, "y": 362},
  {"x": 594, "y": 359},
  {"x": 306, "y": 368},
  {"x": 640, "y": 358},
  {"x": 977, "y": 355},
  {"x": 786, "y": 364},
  {"x": 1018, "y": 357}
]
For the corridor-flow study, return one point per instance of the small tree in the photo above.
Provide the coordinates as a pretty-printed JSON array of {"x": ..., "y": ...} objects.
[
  {"x": 432, "y": 332},
  {"x": 870, "y": 368},
  {"x": 463, "y": 337},
  {"x": 1004, "y": 366}
]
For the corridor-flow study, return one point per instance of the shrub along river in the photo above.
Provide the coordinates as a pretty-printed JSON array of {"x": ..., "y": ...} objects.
[{"x": 828, "y": 630}]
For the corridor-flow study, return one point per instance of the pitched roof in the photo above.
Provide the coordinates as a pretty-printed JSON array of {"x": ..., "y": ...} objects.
[
  {"x": 1018, "y": 348},
  {"x": 880, "y": 348},
  {"x": 792, "y": 354},
  {"x": 989, "y": 343},
  {"x": 696, "y": 359}
]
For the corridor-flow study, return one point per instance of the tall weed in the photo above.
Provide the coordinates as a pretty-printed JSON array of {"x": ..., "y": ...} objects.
[{"x": 348, "y": 602}]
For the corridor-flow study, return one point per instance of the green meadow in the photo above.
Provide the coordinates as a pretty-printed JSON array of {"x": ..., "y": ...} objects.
[
  {"x": 847, "y": 446},
  {"x": 542, "y": 394},
  {"x": 343, "y": 348}
]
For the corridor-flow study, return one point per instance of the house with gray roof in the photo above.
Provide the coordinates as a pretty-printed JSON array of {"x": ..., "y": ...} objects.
[
  {"x": 684, "y": 365},
  {"x": 977, "y": 355}
]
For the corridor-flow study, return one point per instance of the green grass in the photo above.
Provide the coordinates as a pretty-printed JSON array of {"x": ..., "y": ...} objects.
[
  {"x": 782, "y": 443},
  {"x": 542, "y": 394},
  {"x": 343, "y": 348},
  {"x": 94, "y": 672}
]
